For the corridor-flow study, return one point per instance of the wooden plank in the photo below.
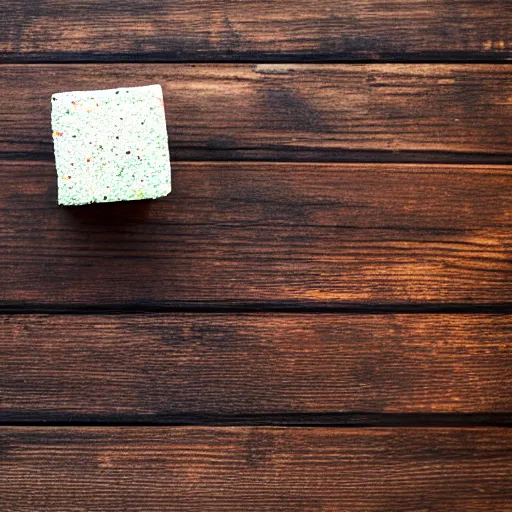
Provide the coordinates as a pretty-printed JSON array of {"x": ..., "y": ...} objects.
[
  {"x": 161, "y": 367},
  {"x": 240, "y": 469},
  {"x": 313, "y": 112},
  {"x": 284, "y": 30},
  {"x": 252, "y": 233}
]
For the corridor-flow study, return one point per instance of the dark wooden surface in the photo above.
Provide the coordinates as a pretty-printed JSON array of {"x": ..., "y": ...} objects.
[
  {"x": 240, "y": 469},
  {"x": 422, "y": 112},
  {"x": 260, "y": 31},
  {"x": 335, "y": 258},
  {"x": 264, "y": 233},
  {"x": 180, "y": 367}
]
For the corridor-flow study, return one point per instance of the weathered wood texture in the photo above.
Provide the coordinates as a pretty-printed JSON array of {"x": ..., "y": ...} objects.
[
  {"x": 315, "y": 112},
  {"x": 255, "y": 30},
  {"x": 234, "y": 233},
  {"x": 158, "y": 367},
  {"x": 257, "y": 469}
]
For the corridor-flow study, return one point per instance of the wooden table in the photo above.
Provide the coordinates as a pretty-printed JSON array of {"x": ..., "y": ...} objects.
[{"x": 318, "y": 317}]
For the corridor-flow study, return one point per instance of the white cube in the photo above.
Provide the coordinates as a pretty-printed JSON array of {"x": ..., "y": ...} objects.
[{"x": 111, "y": 145}]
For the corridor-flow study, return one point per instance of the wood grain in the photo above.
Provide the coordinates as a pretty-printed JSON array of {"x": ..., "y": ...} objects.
[
  {"x": 163, "y": 368},
  {"x": 288, "y": 112},
  {"x": 284, "y": 30},
  {"x": 233, "y": 233},
  {"x": 240, "y": 469}
]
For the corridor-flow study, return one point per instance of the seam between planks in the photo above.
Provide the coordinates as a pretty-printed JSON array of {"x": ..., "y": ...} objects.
[
  {"x": 134, "y": 59},
  {"x": 504, "y": 308},
  {"x": 312, "y": 420}
]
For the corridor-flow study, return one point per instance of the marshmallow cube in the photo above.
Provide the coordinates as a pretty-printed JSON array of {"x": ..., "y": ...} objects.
[{"x": 111, "y": 145}]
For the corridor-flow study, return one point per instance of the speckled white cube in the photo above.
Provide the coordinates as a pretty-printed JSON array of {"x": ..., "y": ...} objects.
[{"x": 111, "y": 145}]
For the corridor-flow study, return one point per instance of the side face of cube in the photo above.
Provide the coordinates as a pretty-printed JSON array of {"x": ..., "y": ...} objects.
[{"x": 111, "y": 145}]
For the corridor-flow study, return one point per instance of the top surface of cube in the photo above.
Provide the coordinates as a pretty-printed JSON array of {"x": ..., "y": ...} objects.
[{"x": 111, "y": 145}]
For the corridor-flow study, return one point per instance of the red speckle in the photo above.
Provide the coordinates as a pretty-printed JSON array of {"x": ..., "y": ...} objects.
[
  {"x": 73, "y": 102},
  {"x": 88, "y": 159},
  {"x": 128, "y": 152},
  {"x": 142, "y": 180},
  {"x": 57, "y": 134},
  {"x": 69, "y": 177},
  {"x": 73, "y": 165}
]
